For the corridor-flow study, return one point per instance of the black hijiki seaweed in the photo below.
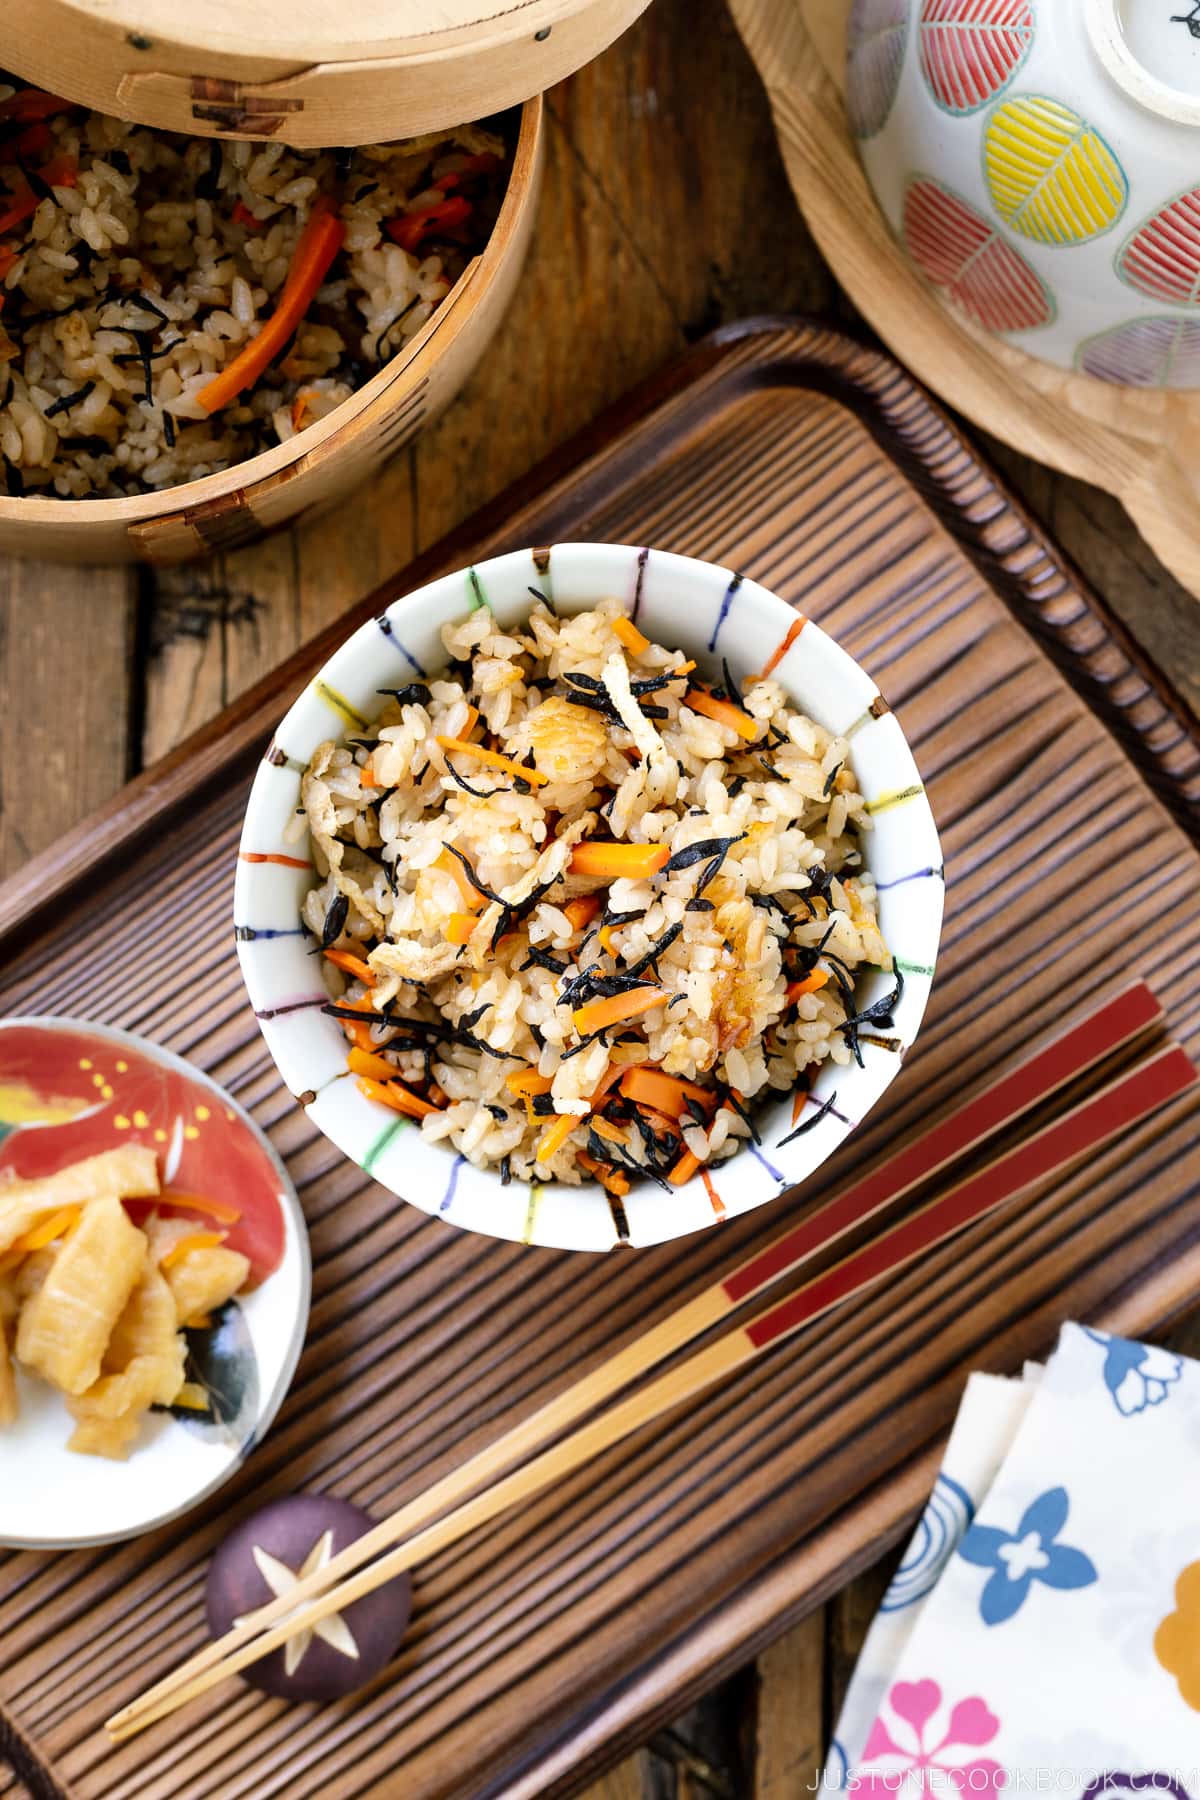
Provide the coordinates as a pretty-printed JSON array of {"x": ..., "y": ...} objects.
[
  {"x": 543, "y": 960},
  {"x": 208, "y": 184},
  {"x": 67, "y": 401},
  {"x": 391, "y": 325},
  {"x": 825, "y": 1107},
  {"x": 464, "y": 784},
  {"x": 878, "y": 1013},
  {"x": 831, "y": 778},
  {"x": 335, "y": 919},
  {"x": 729, "y": 1099},
  {"x": 694, "y": 853},
  {"x": 475, "y": 881},
  {"x": 505, "y": 1170},
  {"x": 650, "y": 959},
  {"x": 415, "y": 693}
]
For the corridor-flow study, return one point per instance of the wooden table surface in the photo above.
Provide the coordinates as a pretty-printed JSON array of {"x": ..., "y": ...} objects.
[{"x": 665, "y": 213}]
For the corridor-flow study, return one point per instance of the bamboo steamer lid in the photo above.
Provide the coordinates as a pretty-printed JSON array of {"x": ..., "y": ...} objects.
[{"x": 314, "y": 73}]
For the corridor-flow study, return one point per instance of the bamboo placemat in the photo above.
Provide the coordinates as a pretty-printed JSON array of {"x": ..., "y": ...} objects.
[{"x": 558, "y": 1635}]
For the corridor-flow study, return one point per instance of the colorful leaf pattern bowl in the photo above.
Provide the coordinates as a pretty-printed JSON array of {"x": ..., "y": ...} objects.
[
  {"x": 1041, "y": 170},
  {"x": 710, "y": 612},
  {"x": 68, "y": 1090}
]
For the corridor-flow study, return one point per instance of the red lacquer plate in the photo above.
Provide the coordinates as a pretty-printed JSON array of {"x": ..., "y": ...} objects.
[{"x": 68, "y": 1090}]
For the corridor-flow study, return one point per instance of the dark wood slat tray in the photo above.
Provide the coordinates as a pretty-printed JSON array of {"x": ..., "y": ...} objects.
[{"x": 1065, "y": 776}]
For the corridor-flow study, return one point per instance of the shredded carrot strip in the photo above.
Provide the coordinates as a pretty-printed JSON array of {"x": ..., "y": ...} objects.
[
  {"x": 351, "y": 965},
  {"x": 606, "y": 939},
  {"x": 811, "y": 984},
  {"x": 359, "y": 1035},
  {"x": 723, "y": 711},
  {"x": 528, "y": 1081},
  {"x": 608, "y": 1080},
  {"x": 468, "y": 730},
  {"x": 608, "y": 861},
  {"x": 466, "y": 887},
  {"x": 684, "y": 1169},
  {"x": 493, "y": 759},
  {"x": 684, "y": 668},
  {"x": 62, "y": 172},
  {"x": 581, "y": 912},
  {"x": 56, "y": 1226},
  {"x": 192, "y": 1396},
  {"x": 612, "y": 1179},
  {"x": 370, "y": 1062},
  {"x": 216, "y": 1209},
  {"x": 603, "y": 1129},
  {"x": 459, "y": 927},
  {"x": 635, "y": 641},
  {"x": 366, "y": 774},
  {"x": 559, "y": 1130},
  {"x": 599, "y": 1013},
  {"x": 648, "y": 1086},
  {"x": 319, "y": 243},
  {"x": 34, "y": 103},
  {"x": 195, "y": 1240},
  {"x": 799, "y": 1099},
  {"x": 395, "y": 1095}
]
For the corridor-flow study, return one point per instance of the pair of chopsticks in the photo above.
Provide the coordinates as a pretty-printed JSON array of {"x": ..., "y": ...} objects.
[{"x": 425, "y": 1526}]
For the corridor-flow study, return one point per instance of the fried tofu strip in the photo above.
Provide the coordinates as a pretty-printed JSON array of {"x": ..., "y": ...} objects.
[
  {"x": 205, "y": 1279},
  {"x": 64, "y": 1329},
  {"x": 132, "y": 1171},
  {"x": 143, "y": 1367}
]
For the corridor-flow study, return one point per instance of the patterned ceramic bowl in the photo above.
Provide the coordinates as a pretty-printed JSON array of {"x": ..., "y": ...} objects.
[
  {"x": 1040, "y": 162},
  {"x": 708, "y": 612}
]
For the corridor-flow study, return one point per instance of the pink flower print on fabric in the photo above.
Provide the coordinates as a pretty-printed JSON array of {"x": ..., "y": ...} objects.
[{"x": 919, "y": 1745}]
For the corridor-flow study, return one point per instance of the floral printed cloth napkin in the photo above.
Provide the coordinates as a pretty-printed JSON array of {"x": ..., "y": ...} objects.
[{"x": 1042, "y": 1633}]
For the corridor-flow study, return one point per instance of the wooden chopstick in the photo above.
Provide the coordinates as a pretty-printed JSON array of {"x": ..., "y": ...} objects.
[
  {"x": 1055, "y": 1062},
  {"x": 1087, "y": 1127}
]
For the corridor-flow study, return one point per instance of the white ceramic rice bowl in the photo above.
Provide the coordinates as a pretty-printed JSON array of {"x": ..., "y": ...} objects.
[{"x": 709, "y": 613}]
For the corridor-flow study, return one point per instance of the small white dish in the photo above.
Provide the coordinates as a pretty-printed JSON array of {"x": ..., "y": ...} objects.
[
  {"x": 68, "y": 1089},
  {"x": 709, "y": 612}
]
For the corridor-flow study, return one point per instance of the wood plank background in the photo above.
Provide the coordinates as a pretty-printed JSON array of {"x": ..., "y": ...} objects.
[{"x": 666, "y": 212}]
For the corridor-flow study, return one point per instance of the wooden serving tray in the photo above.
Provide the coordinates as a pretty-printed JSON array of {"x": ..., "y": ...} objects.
[{"x": 1055, "y": 760}]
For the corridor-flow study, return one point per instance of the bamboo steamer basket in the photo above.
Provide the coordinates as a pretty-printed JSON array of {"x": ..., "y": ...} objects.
[{"x": 289, "y": 69}]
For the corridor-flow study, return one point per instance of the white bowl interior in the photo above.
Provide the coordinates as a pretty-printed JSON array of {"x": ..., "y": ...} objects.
[{"x": 711, "y": 613}]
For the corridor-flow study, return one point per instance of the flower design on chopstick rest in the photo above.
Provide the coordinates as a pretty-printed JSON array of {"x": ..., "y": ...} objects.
[
  {"x": 971, "y": 49},
  {"x": 1137, "y": 1376},
  {"x": 948, "y": 1513},
  {"x": 917, "y": 1744},
  {"x": 1027, "y": 1555},
  {"x": 875, "y": 39}
]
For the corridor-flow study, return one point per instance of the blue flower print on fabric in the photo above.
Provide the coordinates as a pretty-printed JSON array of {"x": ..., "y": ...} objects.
[
  {"x": 1137, "y": 1376},
  {"x": 946, "y": 1517},
  {"x": 1029, "y": 1554}
]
